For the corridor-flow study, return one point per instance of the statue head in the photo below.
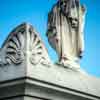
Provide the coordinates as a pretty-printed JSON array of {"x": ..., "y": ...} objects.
[
  {"x": 67, "y": 6},
  {"x": 63, "y": 4}
]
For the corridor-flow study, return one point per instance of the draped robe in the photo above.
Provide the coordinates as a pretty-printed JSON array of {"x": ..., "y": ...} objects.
[{"x": 66, "y": 39}]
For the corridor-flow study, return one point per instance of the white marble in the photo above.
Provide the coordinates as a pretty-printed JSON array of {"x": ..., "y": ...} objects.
[{"x": 25, "y": 73}]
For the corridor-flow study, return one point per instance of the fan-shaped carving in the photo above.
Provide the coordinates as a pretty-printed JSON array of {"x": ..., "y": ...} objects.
[
  {"x": 37, "y": 49},
  {"x": 15, "y": 47},
  {"x": 24, "y": 41}
]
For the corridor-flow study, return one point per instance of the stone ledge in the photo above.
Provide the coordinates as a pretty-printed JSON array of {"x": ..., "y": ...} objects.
[
  {"x": 27, "y": 86},
  {"x": 28, "y": 71}
]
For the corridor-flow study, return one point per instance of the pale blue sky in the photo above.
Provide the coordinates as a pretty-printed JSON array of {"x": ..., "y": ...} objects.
[{"x": 15, "y": 12}]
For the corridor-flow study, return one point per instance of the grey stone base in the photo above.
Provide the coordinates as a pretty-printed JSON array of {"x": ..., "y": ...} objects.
[
  {"x": 26, "y": 74},
  {"x": 32, "y": 89}
]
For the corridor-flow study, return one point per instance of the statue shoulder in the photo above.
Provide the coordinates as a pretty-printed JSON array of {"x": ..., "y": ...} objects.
[
  {"x": 55, "y": 7},
  {"x": 83, "y": 9},
  {"x": 53, "y": 11}
]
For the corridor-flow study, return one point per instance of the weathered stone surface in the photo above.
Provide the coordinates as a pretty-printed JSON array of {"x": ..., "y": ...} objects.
[
  {"x": 22, "y": 78},
  {"x": 45, "y": 89},
  {"x": 65, "y": 31},
  {"x": 23, "y": 45}
]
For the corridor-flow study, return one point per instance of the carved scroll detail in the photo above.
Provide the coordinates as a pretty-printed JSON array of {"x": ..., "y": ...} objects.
[
  {"x": 23, "y": 42},
  {"x": 14, "y": 49},
  {"x": 37, "y": 49}
]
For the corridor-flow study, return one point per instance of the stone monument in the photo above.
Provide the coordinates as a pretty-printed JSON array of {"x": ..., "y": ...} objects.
[
  {"x": 65, "y": 31},
  {"x": 26, "y": 71}
]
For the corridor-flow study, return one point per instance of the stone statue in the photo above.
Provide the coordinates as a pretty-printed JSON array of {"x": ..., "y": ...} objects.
[{"x": 65, "y": 31}]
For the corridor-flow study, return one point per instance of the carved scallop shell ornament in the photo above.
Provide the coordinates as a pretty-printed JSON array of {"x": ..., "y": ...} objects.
[{"x": 24, "y": 41}]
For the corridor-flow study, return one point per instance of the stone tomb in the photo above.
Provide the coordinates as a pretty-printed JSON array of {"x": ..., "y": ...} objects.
[{"x": 26, "y": 72}]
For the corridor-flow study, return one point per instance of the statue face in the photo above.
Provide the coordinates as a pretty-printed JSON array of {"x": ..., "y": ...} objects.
[
  {"x": 74, "y": 22},
  {"x": 68, "y": 8}
]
